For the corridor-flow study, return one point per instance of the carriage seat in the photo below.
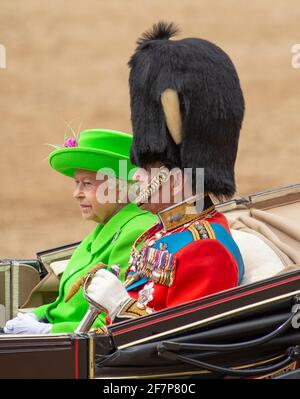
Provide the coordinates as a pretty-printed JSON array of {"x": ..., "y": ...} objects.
[
  {"x": 50, "y": 283},
  {"x": 260, "y": 260}
]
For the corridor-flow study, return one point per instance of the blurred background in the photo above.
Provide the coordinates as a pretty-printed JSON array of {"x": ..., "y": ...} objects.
[{"x": 66, "y": 64}]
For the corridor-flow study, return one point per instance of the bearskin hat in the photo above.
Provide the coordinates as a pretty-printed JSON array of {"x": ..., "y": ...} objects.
[{"x": 187, "y": 106}]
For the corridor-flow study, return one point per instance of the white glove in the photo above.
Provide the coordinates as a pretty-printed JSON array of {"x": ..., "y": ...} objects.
[
  {"x": 24, "y": 315},
  {"x": 108, "y": 291},
  {"x": 26, "y": 323}
]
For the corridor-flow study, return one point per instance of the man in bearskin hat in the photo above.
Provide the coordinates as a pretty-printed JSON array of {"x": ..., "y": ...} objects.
[{"x": 187, "y": 109}]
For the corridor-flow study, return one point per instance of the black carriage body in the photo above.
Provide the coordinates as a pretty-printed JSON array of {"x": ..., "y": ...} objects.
[
  {"x": 44, "y": 356},
  {"x": 135, "y": 349},
  {"x": 173, "y": 342},
  {"x": 140, "y": 348}
]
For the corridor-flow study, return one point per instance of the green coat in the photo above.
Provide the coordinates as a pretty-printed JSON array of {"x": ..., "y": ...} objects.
[{"x": 111, "y": 244}]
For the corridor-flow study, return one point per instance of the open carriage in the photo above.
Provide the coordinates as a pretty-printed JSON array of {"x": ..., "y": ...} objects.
[{"x": 251, "y": 331}]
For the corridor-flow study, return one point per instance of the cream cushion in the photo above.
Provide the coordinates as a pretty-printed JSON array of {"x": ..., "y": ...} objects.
[
  {"x": 260, "y": 260},
  {"x": 58, "y": 267}
]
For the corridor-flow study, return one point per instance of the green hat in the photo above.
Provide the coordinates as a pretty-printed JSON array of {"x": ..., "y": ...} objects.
[{"x": 96, "y": 149}]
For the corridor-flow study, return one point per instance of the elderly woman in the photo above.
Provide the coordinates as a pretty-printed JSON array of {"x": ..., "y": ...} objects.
[{"x": 90, "y": 162}]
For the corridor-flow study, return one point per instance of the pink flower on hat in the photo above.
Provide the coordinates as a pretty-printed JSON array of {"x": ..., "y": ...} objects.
[{"x": 70, "y": 142}]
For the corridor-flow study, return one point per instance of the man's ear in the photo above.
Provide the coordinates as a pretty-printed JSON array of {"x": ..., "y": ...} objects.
[
  {"x": 177, "y": 183},
  {"x": 181, "y": 185}
]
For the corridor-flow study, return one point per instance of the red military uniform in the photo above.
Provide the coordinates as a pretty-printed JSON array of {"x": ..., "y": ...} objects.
[
  {"x": 191, "y": 257},
  {"x": 187, "y": 109}
]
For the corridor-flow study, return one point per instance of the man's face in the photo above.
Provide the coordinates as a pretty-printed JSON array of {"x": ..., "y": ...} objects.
[
  {"x": 161, "y": 198},
  {"x": 86, "y": 185}
]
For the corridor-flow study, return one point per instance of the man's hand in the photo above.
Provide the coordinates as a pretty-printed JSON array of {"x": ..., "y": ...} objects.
[
  {"x": 108, "y": 291},
  {"x": 26, "y": 323}
]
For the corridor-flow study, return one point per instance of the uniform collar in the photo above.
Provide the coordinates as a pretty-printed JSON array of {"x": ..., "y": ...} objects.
[
  {"x": 112, "y": 228},
  {"x": 185, "y": 212}
]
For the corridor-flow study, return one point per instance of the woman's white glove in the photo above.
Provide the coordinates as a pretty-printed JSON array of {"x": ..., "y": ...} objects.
[
  {"x": 26, "y": 323},
  {"x": 108, "y": 291},
  {"x": 21, "y": 315}
]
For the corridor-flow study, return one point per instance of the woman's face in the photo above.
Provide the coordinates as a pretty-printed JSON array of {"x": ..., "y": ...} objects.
[{"x": 86, "y": 186}]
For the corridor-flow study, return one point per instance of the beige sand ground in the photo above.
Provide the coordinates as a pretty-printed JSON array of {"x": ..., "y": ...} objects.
[{"x": 67, "y": 61}]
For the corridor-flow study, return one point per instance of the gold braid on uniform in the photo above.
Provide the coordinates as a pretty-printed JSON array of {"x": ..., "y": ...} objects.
[
  {"x": 201, "y": 229},
  {"x": 100, "y": 330},
  {"x": 131, "y": 310}
]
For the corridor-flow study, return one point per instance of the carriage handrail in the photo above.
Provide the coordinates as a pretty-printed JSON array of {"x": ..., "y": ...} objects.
[
  {"x": 177, "y": 346},
  {"x": 292, "y": 354}
]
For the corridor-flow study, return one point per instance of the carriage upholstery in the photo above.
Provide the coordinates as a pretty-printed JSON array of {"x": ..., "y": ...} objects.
[
  {"x": 260, "y": 260},
  {"x": 266, "y": 227},
  {"x": 54, "y": 261},
  {"x": 21, "y": 285}
]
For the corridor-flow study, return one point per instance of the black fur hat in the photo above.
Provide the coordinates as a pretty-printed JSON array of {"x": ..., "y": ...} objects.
[{"x": 187, "y": 106}]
